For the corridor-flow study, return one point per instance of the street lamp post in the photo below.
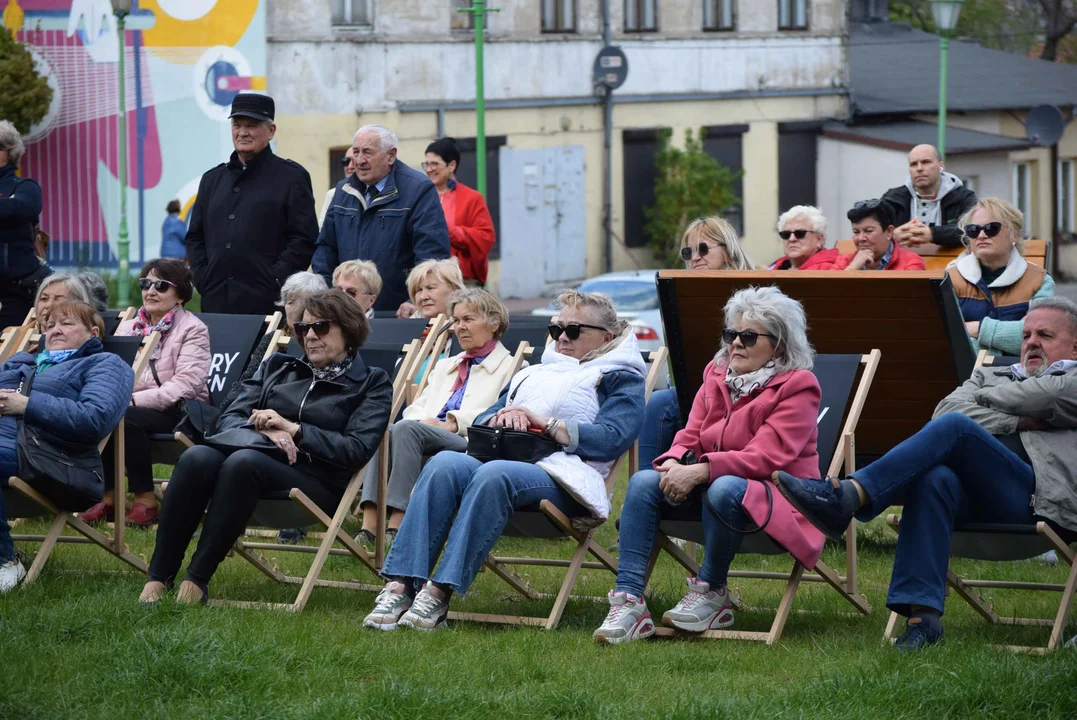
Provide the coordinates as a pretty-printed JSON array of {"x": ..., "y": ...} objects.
[
  {"x": 478, "y": 11},
  {"x": 945, "y": 14},
  {"x": 122, "y": 8}
]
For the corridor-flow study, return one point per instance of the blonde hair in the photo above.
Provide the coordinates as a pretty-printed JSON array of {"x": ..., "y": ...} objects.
[
  {"x": 607, "y": 313},
  {"x": 486, "y": 304},
  {"x": 1012, "y": 219},
  {"x": 364, "y": 271},
  {"x": 447, "y": 271},
  {"x": 720, "y": 231}
]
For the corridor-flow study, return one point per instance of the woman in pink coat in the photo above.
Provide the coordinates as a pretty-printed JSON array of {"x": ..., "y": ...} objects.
[
  {"x": 178, "y": 370},
  {"x": 755, "y": 414}
]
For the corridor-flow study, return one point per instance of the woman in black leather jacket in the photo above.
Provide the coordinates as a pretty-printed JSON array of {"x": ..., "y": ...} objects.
[{"x": 307, "y": 423}]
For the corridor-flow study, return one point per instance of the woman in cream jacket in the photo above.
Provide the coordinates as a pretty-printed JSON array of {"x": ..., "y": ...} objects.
[{"x": 460, "y": 388}]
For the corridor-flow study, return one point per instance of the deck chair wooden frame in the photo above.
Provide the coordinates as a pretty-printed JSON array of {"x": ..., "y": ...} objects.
[
  {"x": 433, "y": 346},
  {"x": 842, "y": 464},
  {"x": 62, "y": 519},
  {"x": 563, "y": 526},
  {"x": 32, "y": 337}
]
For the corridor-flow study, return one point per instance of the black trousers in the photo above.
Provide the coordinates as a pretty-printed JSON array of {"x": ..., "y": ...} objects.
[
  {"x": 15, "y": 302},
  {"x": 231, "y": 486},
  {"x": 140, "y": 424}
]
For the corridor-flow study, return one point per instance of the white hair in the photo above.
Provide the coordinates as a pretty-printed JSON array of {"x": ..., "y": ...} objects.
[
  {"x": 778, "y": 314},
  {"x": 809, "y": 212},
  {"x": 301, "y": 284},
  {"x": 74, "y": 284},
  {"x": 388, "y": 137},
  {"x": 1057, "y": 302},
  {"x": 11, "y": 140}
]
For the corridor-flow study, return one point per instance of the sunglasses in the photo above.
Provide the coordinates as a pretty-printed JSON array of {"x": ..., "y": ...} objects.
[
  {"x": 786, "y": 234},
  {"x": 748, "y": 338},
  {"x": 345, "y": 160},
  {"x": 868, "y": 204},
  {"x": 320, "y": 328},
  {"x": 158, "y": 285},
  {"x": 572, "y": 330},
  {"x": 702, "y": 249},
  {"x": 991, "y": 229}
]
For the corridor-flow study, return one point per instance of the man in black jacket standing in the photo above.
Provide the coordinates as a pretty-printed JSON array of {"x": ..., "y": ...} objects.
[
  {"x": 253, "y": 223},
  {"x": 927, "y": 207}
]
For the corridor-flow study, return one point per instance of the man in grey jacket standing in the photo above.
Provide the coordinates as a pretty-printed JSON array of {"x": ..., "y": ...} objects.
[
  {"x": 927, "y": 207},
  {"x": 1002, "y": 448}
]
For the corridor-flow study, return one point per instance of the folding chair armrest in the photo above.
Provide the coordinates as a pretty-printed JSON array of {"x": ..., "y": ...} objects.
[{"x": 184, "y": 440}]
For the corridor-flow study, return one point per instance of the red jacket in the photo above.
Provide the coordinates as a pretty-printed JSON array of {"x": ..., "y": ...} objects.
[
  {"x": 822, "y": 260},
  {"x": 774, "y": 429},
  {"x": 471, "y": 230},
  {"x": 902, "y": 260}
]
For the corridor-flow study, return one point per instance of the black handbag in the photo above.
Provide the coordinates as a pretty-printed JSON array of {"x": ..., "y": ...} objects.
[
  {"x": 243, "y": 438},
  {"x": 486, "y": 443},
  {"x": 43, "y": 456},
  {"x": 197, "y": 417}
]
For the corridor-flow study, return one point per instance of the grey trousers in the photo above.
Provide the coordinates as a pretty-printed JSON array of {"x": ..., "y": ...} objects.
[{"x": 410, "y": 442}]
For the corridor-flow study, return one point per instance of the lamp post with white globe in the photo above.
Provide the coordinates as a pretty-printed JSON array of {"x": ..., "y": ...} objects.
[{"x": 945, "y": 14}]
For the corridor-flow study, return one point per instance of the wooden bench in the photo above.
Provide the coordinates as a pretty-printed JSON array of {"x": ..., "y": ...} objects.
[{"x": 937, "y": 258}]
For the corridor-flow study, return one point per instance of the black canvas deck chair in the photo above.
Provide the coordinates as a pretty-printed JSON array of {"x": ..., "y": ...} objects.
[
  {"x": 1000, "y": 542},
  {"x": 30, "y": 338},
  {"x": 24, "y": 499},
  {"x": 547, "y": 522},
  {"x": 294, "y": 509},
  {"x": 839, "y": 412}
]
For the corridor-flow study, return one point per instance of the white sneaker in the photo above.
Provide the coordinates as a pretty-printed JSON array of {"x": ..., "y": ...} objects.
[
  {"x": 628, "y": 619},
  {"x": 391, "y": 604},
  {"x": 11, "y": 574},
  {"x": 427, "y": 612},
  {"x": 701, "y": 609}
]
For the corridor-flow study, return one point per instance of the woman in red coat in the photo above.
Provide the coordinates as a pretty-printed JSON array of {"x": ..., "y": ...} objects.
[
  {"x": 876, "y": 249},
  {"x": 471, "y": 229},
  {"x": 802, "y": 229},
  {"x": 755, "y": 414}
]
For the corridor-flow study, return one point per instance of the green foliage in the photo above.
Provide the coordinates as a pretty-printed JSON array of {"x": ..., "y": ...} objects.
[
  {"x": 1009, "y": 25},
  {"x": 689, "y": 184},
  {"x": 24, "y": 94}
]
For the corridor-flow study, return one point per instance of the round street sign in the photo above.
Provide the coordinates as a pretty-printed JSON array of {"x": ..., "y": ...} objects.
[{"x": 611, "y": 67}]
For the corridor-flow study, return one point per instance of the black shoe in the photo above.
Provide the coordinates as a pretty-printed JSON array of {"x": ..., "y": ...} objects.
[
  {"x": 291, "y": 536},
  {"x": 920, "y": 632},
  {"x": 820, "y": 501}
]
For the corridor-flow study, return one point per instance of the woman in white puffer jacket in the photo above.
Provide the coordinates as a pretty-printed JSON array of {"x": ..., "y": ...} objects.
[{"x": 587, "y": 395}]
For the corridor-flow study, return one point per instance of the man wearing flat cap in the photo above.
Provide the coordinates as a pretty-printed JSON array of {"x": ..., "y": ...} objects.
[{"x": 253, "y": 223}]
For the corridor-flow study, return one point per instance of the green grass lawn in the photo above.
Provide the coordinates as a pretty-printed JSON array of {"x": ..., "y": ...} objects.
[{"x": 77, "y": 644}]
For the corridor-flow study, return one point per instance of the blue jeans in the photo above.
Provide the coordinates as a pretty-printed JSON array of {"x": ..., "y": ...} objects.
[
  {"x": 9, "y": 466},
  {"x": 644, "y": 507},
  {"x": 661, "y": 423},
  {"x": 464, "y": 505},
  {"x": 950, "y": 473}
]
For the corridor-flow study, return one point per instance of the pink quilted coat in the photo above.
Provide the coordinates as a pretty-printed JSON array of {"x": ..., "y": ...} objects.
[
  {"x": 182, "y": 365},
  {"x": 773, "y": 429}
]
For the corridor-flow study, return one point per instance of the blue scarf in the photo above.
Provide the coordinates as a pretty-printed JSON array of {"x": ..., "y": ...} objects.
[{"x": 47, "y": 358}]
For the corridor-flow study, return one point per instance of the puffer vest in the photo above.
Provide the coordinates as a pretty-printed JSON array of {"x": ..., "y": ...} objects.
[{"x": 1006, "y": 298}]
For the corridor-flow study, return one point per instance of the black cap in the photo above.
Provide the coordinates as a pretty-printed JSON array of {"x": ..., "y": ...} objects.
[{"x": 253, "y": 105}]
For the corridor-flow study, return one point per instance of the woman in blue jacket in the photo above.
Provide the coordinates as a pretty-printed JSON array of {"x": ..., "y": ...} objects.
[
  {"x": 174, "y": 233},
  {"x": 20, "y": 207},
  {"x": 79, "y": 395}
]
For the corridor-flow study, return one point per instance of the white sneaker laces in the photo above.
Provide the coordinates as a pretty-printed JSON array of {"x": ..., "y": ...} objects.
[
  {"x": 386, "y": 600},
  {"x": 690, "y": 600},
  {"x": 425, "y": 604}
]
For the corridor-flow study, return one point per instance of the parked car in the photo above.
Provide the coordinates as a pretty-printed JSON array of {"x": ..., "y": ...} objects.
[{"x": 635, "y": 296}]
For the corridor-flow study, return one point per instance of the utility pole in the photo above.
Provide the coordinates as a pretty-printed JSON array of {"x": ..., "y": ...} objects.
[
  {"x": 478, "y": 12},
  {"x": 123, "y": 247}
]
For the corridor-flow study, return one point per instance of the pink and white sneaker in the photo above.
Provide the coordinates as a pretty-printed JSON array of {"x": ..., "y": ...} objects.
[
  {"x": 628, "y": 619},
  {"x": 701, "y": 609}
]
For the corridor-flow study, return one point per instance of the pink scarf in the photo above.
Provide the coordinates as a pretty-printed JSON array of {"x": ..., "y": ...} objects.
[
  {"x": 464, "y": 367},
  {"x": 144, "y": 326}
]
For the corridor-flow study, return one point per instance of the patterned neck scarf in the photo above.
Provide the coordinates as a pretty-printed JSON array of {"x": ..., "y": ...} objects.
[
  {"x": 47, "y": 358},
  {"x": 471, "y": 357},
  {"x": 743, "y": 385},
  {"x": 333, "y": 371},
  {"x": 144, "y": 326}
]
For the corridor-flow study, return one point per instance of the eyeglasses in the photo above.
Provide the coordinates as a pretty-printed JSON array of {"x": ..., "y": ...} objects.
[
  {"x": 572, "y": 330},
  {"x": 431, "y": 165},
  {"x": 991, "y": 229},
  {"x": 785, "y": 234},
  {"x": 747, "y": 337},
  {"x": 702, "y": 249},
  {"x": 320, "y": 327},
  {"x": 868, "y": 204},
  {"x": 158, "y": 285}
]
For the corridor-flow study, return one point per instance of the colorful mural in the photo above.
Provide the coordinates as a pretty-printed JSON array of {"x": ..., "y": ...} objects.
[{"x": 184, "y": 62}]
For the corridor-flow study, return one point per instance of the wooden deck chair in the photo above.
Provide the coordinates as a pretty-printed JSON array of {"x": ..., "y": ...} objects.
[
  {"x": 23, "y": 499},
  {"x": 11, "y": 339},
  {"x": 836, "y": 443},
  {"x": 1000, "y": 543},
  {"x": 112, "y": 318},
  {"x": 295, "y": 509},
  {"x": 437, "y": 340},
  {"x": 549, "y": 522}
]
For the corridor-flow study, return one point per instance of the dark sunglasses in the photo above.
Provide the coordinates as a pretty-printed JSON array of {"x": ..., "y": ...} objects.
[
  {"x": 991, "y": 229},
  {"x": 572, "y": 330},
  {"x": 747, "y": 337},
  {"x": 320, "y": 328},
  {"x": 158, "y": 285},
  {"x": 702, "y": 249},
  {"x": 345, "y": 160},
  {"x": 868, "y": 204},
  {"x": 785, "y": 234}
]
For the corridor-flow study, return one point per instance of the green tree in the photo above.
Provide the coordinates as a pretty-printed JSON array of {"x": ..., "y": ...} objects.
[
  {"x": 689, "y": 184},
  {"x": 24, "y": 94}
]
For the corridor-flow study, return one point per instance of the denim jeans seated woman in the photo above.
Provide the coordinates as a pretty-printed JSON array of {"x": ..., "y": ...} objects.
[
  {"x": 661, "y": 423},
  {"x": 645, "y": 506}
]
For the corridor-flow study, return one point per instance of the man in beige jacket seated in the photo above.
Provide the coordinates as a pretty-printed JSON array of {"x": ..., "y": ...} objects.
[
  {"x": 460, "y": 387},
  {"x": 1002, "y": 448}
]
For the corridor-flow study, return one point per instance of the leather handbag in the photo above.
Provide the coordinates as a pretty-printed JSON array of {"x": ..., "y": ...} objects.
[
  {"x": 497, "y": 443},
  {"x": 244, "y": 438}
]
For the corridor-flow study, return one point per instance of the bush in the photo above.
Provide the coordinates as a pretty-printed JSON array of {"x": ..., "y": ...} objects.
[{"x": 24, "y": 94}]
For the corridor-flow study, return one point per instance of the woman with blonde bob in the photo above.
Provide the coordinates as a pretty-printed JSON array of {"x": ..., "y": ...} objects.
[
  {"x": 430, "y": 284},
  {"x": 460, "y": 388},
  {"x": 360, "y": 280},
  {"x": 994, "y": 284}
]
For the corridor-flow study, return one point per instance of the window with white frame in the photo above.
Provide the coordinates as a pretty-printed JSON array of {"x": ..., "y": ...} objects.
[
  {"x": 641, "y": 15},
  {"x": 351, "y": 13},
  {"x": 792, "y": 14},
  {"x": 558, "y": 16},
  {"x": 719, "y": 15},
  {"x": 1067, "y": 195},
  {"x": 1022, "y": 190}
]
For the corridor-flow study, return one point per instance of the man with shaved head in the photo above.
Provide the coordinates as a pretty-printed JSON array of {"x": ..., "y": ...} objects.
[{"x": 926, "y": 208}]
